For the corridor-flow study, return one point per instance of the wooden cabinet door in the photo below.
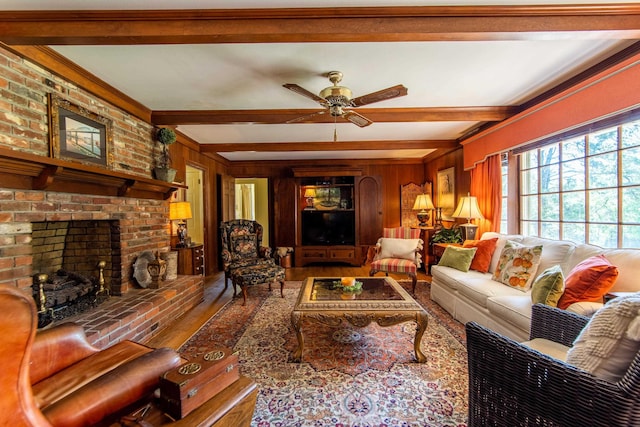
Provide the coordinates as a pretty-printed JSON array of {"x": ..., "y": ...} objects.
[{"x": 369, "y": 210}]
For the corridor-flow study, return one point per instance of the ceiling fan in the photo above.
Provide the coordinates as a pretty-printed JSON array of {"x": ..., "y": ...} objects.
[{"x": 337, "y": 100}]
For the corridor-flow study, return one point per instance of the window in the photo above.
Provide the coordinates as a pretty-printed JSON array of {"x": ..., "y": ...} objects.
[
  {"x": 584, "y": 188},
  {"x": 504, "y": 162}
]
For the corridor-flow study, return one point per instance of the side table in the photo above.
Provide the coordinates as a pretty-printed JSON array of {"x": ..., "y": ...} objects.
[
  {"x": 426, "y": 233},
  {"x": 191, "y": 260}
]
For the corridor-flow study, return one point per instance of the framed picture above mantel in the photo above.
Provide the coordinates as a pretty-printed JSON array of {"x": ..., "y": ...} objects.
[
  {"x": 77, "y": 134},
  {"x": 446, "y": 192}
]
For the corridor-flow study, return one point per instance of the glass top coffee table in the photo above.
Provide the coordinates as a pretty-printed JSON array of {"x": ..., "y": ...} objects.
[{"x": 381, "y": 300}]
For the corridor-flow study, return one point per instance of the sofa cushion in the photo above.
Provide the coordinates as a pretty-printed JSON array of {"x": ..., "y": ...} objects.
[
  {"x": 610, "y": 341},
  {"x": 451, "y": 278},
  {"x": 588, "y": 281},
  {"x": 548, "y": 287},
  {"x": 502, "y": 240},
  {"x": 458, "y": 258},
  {"x": 518, "y": 265},
  {"x": 479, "y": 289},
  {"x": 579, "y": 253},
  {"x": 548, "y": 347},
  {"x": 398, "y": 248},
  {"x": 512, "y": 309},
  {"x": 554, "y": 252},
  {"x": 482, "y": 259},
  {"x": 628, "y": 263}
]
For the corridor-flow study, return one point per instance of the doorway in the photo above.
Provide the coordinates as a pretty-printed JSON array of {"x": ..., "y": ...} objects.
[
  {"x": 252, "y": 202},
  {"x": 195, "y": 195}
]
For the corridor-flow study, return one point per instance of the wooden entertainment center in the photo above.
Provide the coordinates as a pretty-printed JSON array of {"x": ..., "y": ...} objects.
[{"x": 338, "y": 215}]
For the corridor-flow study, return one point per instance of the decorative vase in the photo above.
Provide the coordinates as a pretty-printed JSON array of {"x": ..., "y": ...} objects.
[
  {"x": 165, "y": 174},
  {"x": 156, "y": 269}
]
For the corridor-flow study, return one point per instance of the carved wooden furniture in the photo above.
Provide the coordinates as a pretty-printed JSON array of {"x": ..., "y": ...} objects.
[
  {"x": 382, "y": 300},
  {"x": 388, "y": 262},
  {"x": 191, "y": 260},
  {"x": 54, "y": 377}
]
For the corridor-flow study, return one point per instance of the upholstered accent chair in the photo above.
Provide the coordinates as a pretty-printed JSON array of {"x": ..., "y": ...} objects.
[
  {"x": 246, "y": 262},
  {"x": 529, "y": 384},
  {"x": 398, "y": 251}
]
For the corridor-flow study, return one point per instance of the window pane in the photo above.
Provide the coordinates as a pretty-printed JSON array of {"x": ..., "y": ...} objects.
[
  {"x": 529, "y": 228},
  {"x": 603, "y": 206},
  {"x": 550, "y": 230},
  {"x": 549, "y": 155},
  {"x": 503, "y": 221},
  {"x": 631, "y": 134},
  {"x": 631, "y": 205},
  {"x": 630, "y": 166},
  {"x": 529, "y": 208},
  {"x": 603, "y": 141},
  {"x": 530, "y": 181},
  {"x": 529, "y": 159},
  {"x": 573, "y": 206},
  {"x": 550, "y": 207},
  {"x": 573, "y": 175},
  {"x": 573, "y": 149},
  {"x": 603, "y": 170},
  {"x": 631, "y": 236},
  {"x": 603, "y": 235},
  {"x": 549, "y": 179},
  {"x": 574, "y": 232}
]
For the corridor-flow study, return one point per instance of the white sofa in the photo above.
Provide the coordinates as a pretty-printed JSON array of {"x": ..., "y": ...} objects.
[{"x": 474, "y": 296}]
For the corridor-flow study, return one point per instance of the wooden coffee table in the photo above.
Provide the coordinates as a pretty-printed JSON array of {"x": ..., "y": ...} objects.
[{"x": 382, "y": 300}]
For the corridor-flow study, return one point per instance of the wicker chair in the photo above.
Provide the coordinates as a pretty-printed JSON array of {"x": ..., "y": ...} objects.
[
  {"x": 513, "y": 385},
  {"x": 398, "y": 265}
]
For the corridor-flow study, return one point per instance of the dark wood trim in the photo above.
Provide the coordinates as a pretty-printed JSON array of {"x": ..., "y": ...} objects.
[
  {"x": 349, "y": 24},
  {"x": 324, "y": 146},
  {"x": 27, "y": 171},
  {"x": 377, "y": 115}
]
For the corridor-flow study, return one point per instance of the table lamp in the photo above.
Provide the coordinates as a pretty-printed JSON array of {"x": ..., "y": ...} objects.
[
  {"x": 468, "y": 208},
  {"x": 424, "y": 205},
  {"x": 310, "y": 194},
  {"x": 180, "y": 211}
]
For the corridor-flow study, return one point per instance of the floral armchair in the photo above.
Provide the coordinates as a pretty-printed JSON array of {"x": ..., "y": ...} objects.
[{"x": 242, "y": 246}]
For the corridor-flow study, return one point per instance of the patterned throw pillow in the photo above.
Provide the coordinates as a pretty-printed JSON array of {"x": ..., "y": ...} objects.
[
  {"x": 518, "y": 265},
  {"x": 244, "y": 246},
  {"x": 547, "y": 288}
]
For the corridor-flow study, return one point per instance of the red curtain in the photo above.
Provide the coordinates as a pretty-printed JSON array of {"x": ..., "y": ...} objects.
[{"x": 486, "y": 185}]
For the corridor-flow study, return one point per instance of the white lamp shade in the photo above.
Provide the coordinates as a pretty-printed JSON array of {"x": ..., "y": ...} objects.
[
  {"x": 423, "y": 202},
  {"x": 468, "y": 208}
]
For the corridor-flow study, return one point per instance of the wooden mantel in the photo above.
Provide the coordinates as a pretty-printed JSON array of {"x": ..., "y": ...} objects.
[{"x": 25, "y": 171}]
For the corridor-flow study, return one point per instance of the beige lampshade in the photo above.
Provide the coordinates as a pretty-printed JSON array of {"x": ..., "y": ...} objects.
[
  {"x": 423, "y": 202},
  {"x": 468, "y": 208},
  {"x": 310, "y": 192},
  {"x": 180, "y": 210}
]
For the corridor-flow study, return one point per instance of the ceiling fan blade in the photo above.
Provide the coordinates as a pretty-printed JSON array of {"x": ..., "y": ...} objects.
[
  {"x": 306, "y": 117},
  {"x": 302, "y": 91},
  {"x": 357, "y": 119},
  {"x": 381, "y": 95}
]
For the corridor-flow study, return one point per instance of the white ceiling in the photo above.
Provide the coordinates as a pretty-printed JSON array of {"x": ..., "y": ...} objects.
[{"x": 250, "y": 76}]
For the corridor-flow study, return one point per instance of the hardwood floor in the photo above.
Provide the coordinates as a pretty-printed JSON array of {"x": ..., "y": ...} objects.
[{"x": 216, "y": 296}]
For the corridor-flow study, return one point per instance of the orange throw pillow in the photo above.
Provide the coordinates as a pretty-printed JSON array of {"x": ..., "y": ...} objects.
[
  {"x": 482, "y": 258},
  {"x": 589, "y": 281}
]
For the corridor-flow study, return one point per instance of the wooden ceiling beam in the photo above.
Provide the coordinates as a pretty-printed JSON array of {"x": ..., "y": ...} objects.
[
  {"x": 365, "y": 24},
  {"x": 330, "y": 146},
  {"x": 377, "y": 115}
]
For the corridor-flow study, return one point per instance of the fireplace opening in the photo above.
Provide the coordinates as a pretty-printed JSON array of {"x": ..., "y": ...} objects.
[{"x": 75, "y": 264}]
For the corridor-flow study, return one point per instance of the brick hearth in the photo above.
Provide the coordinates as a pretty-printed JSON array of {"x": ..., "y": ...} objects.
[{"x": 141, "y": 313}]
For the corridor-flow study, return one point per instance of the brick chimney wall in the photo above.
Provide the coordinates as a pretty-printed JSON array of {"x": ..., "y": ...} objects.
[{"x": 24, "y": 126}]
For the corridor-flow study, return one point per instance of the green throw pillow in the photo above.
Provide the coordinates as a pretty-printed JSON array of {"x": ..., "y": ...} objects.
[
  {"x": 458, "y": 258},
  {"x": 548, "y": 287}
]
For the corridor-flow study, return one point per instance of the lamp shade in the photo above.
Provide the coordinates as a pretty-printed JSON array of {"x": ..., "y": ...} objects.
[
  {"x": 468, "y": 208},
  {"x": 180, "y": 210},
  {"x": 423, "y": 202},
  {"x": 310, "y": 192}
]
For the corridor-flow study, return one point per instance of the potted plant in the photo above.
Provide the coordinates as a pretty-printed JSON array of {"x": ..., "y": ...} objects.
[
  {"x": 447, "y": 235},
  {"x": 163, "y": 169}
]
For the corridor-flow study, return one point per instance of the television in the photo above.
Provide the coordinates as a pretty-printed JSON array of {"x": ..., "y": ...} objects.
[{"x": 328, "y": 228}]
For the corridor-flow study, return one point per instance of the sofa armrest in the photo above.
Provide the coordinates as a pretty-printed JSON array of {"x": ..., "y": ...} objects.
[
  {"x": 265, "y": 252},
  {"x": 556, "y": 325},
  {"x": 56, "y": 348}
]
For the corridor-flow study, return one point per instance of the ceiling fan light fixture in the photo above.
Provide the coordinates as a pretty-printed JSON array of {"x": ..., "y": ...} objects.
[{"x": 336, "y": 95}]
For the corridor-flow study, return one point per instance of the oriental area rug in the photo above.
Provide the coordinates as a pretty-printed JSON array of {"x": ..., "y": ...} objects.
[{"x": 349, "y": 377}]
